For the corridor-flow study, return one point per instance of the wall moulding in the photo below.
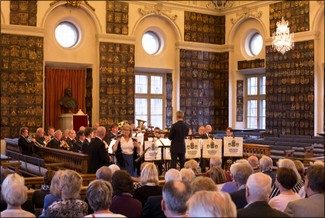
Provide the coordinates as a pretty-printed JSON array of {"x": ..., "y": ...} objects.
[
  {"x": 116, "y": 38},
  {"x": 158, "y": 9},
  {"x": 204, "y": 47},
  {"x": 22, "y": 30},
  {"x": 246, "y": 12}
]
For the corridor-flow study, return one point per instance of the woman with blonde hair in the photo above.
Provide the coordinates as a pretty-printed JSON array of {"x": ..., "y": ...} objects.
[
  {"x": 287, "y": 163},
  {"x": 149, "y": 181},
  {"x": 14, "y": 193},
  {"x": 124, "y": 148},
  {"x": 69, "y": 206}
]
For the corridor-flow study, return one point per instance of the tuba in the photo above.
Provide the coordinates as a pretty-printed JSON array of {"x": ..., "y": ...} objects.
[{"x": 140, "y": 123}]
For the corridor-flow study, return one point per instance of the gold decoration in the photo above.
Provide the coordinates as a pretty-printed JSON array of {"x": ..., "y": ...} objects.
[
  {"x": 74, "y": 3},
  {"x": 246, "y": 12},
  {"x": 158, "y": 9}
]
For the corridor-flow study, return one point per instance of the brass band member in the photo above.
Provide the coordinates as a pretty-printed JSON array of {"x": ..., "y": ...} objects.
[
  {"x": 57, "y": 143},
  {"x": 26, "y": 144},
  {"x": 40, "y": 137}
]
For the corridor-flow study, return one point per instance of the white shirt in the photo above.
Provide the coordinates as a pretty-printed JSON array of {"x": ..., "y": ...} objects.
[
  {"x": 127, "y": 147},
  {"x": 281, "y": 201}
]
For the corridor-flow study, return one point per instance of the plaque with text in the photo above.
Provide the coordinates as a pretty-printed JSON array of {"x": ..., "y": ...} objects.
[
  {"x": 211, "y": 148},
  {"x": 232, "y": 147},
  {"x": 193, "y": 148}
]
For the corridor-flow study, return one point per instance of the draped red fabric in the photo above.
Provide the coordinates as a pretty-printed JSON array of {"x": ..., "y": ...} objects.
[{"x": 56, "y": 81}]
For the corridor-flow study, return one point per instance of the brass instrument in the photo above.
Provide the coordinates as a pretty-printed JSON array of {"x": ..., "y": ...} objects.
[
  {"x": 37, "y": 144},
  {"x": 121, "y": 124},
  {"x": 65, "y": 145},
  {"x": 140, "y": 123}
]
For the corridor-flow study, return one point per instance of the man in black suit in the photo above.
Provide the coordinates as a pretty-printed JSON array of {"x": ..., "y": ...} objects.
[
  {"x": 202, "y": 135},
  {"x": 88, "y": 137},
  {"x": 178, "y": 132},
  {"x": 98, "y": 155},
  {"x": 56, "y": 140},
  {"x": 26, "y": 145},
  {"x": 80, "y": 140},
  {"x": 258, "y": 189}
]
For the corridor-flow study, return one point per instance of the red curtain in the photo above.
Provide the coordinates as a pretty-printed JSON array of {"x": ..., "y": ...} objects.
[{"x": 56, "y": 81}]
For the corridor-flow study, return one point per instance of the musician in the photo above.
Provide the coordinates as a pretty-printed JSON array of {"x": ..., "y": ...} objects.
[
  {"x": 208, "y": 130},
  {"x": 88, "y": 137},
  {"x": 229, "y": 132},
  {"x": 26, "y": 144},
  {"x": 113, "y": 133},
  {"x": 201, "y": 133},
  {"x": 56, "y": 141},
  {"x": 40, "y": 138},
  {"x": 178, "y": 132},
  {"x": 71, "y": 139},
  {"x": 125, "y": 149},
  {"x": 80, "y": 140},
  {"x": 50, "y": 131}
]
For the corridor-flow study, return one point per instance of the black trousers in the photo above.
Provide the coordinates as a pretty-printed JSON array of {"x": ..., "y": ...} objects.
[{"x": 180, "y": 156}]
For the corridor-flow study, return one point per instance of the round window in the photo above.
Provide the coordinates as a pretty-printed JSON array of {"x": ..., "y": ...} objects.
[
  {"x": 151, "y": 43},
  {"x": 254, "y": 44},
  {"x": 67, "y": 34}
]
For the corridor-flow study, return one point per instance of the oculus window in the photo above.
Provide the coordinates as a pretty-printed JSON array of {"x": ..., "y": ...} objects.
[
  {"x": 151, "y": 42},
  {"x": 254, "y": 44},
  {"x": 67, "y": 34}
]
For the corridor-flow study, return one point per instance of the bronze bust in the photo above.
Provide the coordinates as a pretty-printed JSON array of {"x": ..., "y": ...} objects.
[{"x": 67, "y": 102}]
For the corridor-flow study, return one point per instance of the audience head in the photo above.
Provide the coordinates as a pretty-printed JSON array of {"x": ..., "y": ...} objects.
[
  {"x": 23, "y": 131},
  {"x": 217, "y": 175},
  {"x": 88, "y": 132},
  {"x": 174, "y": 197},
  {"x": 240, "y": 171},
  {"x": 314, "y": 180},
  {"x": 48, "y": 176},
  {"x": 99, "y": 195},
  {"x": 318, "y": 162},
  {"x": 40, "y": 132},
  {"x": 300, "y": 168},
  {"x": 104, "y": 173},
  {"x": 211, "y": 204},
  {"x": 287, "y": 163},
  {"x": 122, "y": 182},
  {"x": 192, "y": 164},
  {"x": 55, "y": 183},
  {"x": 58, "y": 134},
  {"x": 13, "y": 190},
  {"x": 101, "y": 131},
  {"x": 253, "y": 161},
  {"x": 149, "y": 174},
  {"x": 215, "y": 161},
  {"x": 208, "y": 128},
  {"x": 179, "y": 115},
  {"x": 187, "y": 175},
  {"x": 258, "y": 187},
  {"x": 113, "y": 168},
  {"x": 203, "y": 184},
  {"x": 286, "y": 178},
  {"x": 70, "y": 184},
  {"x": 173, "y": 175},
  {"x": 266, "y": 163}
]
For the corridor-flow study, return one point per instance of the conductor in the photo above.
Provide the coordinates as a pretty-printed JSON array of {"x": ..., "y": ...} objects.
[
  {"x": 178, "y": 132},
  {"x": 67, "y": 102}
]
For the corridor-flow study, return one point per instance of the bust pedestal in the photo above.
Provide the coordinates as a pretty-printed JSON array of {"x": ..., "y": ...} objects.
[{"x": 65, "y": 121}]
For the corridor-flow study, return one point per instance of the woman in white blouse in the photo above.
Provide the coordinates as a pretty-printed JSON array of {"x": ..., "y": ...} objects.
[{"x": 125, "y": 148}]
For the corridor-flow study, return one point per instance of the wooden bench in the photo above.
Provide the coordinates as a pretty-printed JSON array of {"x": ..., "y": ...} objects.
[{"x": 255, "y": 149}]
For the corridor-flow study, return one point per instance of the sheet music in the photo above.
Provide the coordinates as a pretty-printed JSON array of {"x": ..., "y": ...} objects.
[
  {"x": 154, "y": 152},
  {"x": 110, "y": 147}
]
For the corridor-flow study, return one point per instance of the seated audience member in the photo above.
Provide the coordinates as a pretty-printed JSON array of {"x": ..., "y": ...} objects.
[
  {"x": 286, "y": 179},
  {"x": 266, "y": 164},
  {"x": 241, "y": 171},
  {"x": 123, "y": 201},
  {"x": 88, "y": 136},
  {"x": 187, "y": 175},
  {"x": 202, "y": 183},
  {"x": 14, "y": 193},
  {"x": 211, "y": 204},
  {"x": 104, "y": 173},
  {"x": 218, "y": 176},
  {"x": 300, "y": 168},
  {"x": 39, "y": 195},
  {"x": 77, "y": 145},
  {"x": 26, "y": 144},
  {"x": 253, "y": 161},
  {"x": 313, "y": 205},
  {"x": 69, "y": 205},
  {"x": 114, "y": 168},
  {"x": 152, "y": 207},
  {"x": 175, "y": 194},
  {"x": 99, "y": 195},
  {"x": 55, "y": 194},
  {"x": 192, "y": 164},
  {"x": 287, "y": 163},
  {"x": 258, "y": 189},
  {"x": 216, "y": 161},
  {"x": 149, "y": 184},
  {"x": 56, "y": 140}
]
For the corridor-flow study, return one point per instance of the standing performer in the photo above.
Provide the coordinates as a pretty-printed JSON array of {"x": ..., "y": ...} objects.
[{"x": 178, "y": 132}]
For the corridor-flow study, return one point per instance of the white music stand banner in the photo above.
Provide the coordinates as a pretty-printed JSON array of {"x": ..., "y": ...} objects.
[
  {"x": 166, "y": 143},
  {"x": 193, "y": 148},
  {"x": 211, "y": 148},
  {"x": 232, "y": 147},
  {"x": 154, "y": 151}
]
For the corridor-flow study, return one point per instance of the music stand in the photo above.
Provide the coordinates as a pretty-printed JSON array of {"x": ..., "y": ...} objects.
[{"x": 162, "y": 146}]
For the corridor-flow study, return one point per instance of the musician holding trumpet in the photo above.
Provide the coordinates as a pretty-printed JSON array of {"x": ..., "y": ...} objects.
[
  {"x": 27, "y": 144},
  {"x": 57, "y": 143},
  {"x": 125, "y": 149}
]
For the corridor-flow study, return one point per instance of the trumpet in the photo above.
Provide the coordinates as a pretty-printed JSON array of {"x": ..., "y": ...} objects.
[
  {"x": 64, "y": 145},
  {"x": 37, "y": 144}
]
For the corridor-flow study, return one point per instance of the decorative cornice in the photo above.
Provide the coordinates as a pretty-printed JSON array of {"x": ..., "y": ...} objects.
[
  {"x": 246, "y": 12},
  {"x": 74, "y": 3},
  {"x": 116, "y": 38},
  {"x": 204, "y": 47},
  {"x": 220, "y": 5},
  {"x": 22, "y": 30},
  {"x": 158, "y": 9}
]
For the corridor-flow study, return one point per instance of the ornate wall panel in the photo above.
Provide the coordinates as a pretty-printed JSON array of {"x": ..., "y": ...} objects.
[
  {"x": 204, "y": 28},
  {"x": 295, "y": 12},
  {"x": 21, "y": 83},
  {"x": 89, "y": 94},
  {"x": 169, "y": 98},
  {"x": 257, "y": 63},
  {"x": 290, "y": 90},
  {"x": 116, "y": 91},
  {"x": 204, "y": 88},
  {"x": 117, "y": 17},
  {"x": 23, "y": 12}
]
